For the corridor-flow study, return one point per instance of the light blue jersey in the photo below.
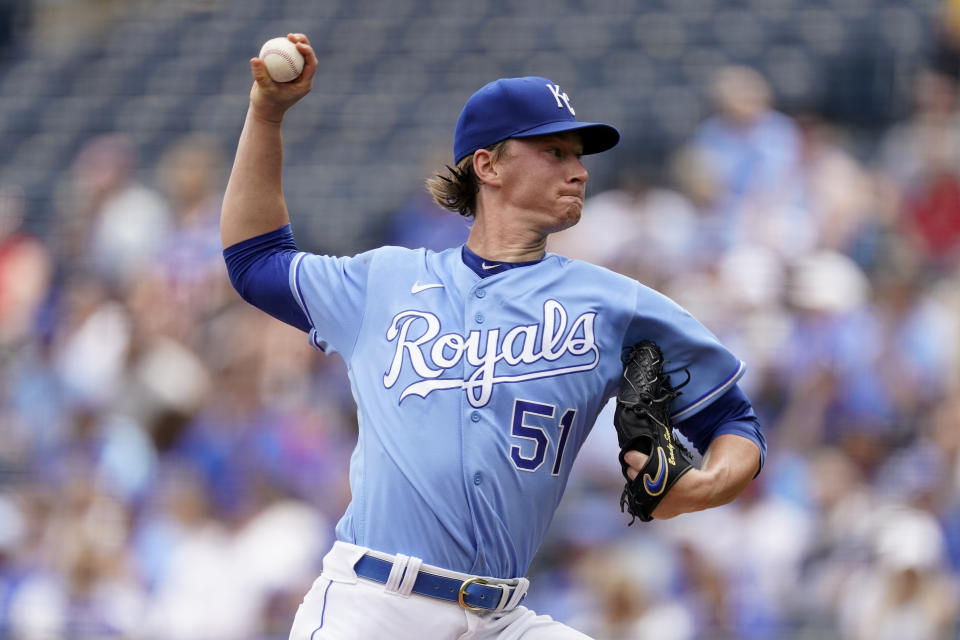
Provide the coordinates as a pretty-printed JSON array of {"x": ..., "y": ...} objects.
[{"x": 475, "y": 394}]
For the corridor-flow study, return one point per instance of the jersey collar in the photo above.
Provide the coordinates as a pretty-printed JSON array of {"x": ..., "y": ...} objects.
[{"x": 484, "y": 268}]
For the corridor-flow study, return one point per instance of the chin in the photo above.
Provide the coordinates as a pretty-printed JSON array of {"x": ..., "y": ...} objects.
[
  {"x": 567, "y": 220},
  {"x": 573, "y": 214}
]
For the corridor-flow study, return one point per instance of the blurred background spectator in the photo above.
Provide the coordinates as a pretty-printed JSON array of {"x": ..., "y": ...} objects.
[{"x": 172, "y": 461}]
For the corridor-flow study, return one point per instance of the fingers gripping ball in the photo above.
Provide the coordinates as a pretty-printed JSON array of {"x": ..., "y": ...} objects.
[
  {"x": 284, "y": 62},
  {"x": 642, "y": 419}
]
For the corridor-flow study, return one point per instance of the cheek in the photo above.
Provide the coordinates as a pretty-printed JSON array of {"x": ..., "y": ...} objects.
[{"x": 530, "y": 191}]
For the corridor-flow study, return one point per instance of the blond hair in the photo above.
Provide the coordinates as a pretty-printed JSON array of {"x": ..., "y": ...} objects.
[{"x": 455, "y": 188}]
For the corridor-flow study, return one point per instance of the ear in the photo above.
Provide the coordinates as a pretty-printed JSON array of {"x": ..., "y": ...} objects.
[{"x": 485, "y": 167}]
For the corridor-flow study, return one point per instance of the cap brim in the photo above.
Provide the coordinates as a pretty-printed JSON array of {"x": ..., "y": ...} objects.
[{"x": 596, "y": 137}]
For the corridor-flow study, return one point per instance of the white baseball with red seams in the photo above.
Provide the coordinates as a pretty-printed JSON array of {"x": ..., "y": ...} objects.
[{"x": 284, "y": 62}]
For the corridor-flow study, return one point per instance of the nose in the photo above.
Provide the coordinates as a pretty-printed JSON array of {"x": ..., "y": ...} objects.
[{"x": 579, "y": 172}]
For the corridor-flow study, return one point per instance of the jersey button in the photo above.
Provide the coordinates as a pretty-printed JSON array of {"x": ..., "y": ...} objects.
[
  {"x": 475, "y": 416},
  {"x": 478, "y": 318},
  {"x": 476, "y": 478},
  {"x": 481, "y": 293}
]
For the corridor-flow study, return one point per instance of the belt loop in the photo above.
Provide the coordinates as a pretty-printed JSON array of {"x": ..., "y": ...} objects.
[
  {"x": 410, "y": 577},
  {"x": 505, "y": 593},
  {"x": 396, "y": 572},
  {"x": 518, "y": 593}
]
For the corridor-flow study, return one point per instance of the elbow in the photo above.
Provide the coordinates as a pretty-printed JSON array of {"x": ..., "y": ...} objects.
[
  {"x": 236, "y": 274},
  {"x": 732, "y": 489},
  {"x": 732, "y": 463}
]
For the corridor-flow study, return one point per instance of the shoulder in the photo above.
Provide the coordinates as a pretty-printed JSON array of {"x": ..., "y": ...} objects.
[
  {"x": 394, "y": 252},
  {"x": 582, "y": 267},
  {"x": 391, "y": 252},
  {"x": 385, "y": 255},
  {"x": 395, "y": 258},
  {"x": 603, "y": 280},
  {"x": 399, "y": 264},
  {"x": 385, "y": 259}
]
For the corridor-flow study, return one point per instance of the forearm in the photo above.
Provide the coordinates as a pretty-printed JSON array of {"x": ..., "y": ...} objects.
[
  {"x": 729, "y": 465},
  {"x": 253, "y": 203}
]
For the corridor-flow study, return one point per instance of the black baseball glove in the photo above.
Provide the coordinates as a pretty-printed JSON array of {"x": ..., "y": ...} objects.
[{"x": 643, "y": 424}]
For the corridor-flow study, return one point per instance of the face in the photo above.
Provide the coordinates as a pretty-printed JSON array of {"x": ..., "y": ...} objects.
[{"x": 543, "y": 175}]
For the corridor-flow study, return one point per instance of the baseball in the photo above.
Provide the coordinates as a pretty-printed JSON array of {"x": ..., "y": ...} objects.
[{"x": 284, "y": 62}]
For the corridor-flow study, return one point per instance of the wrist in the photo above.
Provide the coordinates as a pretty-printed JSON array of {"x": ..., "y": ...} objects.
[
  {"x": 692, "y": 492},
  {"x": 265, "y": 115}
]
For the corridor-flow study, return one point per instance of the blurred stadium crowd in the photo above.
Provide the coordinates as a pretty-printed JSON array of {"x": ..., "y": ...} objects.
[{"x": 172, "y": 461}]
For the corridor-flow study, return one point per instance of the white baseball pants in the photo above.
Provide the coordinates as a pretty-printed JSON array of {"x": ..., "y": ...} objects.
[{"x": 342, "y": 606}]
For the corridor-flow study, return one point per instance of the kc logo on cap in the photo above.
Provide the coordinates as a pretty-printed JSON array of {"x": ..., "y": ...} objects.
[
  {"x": 522, "y": 108},
  {"x": 560, "y": 95}
]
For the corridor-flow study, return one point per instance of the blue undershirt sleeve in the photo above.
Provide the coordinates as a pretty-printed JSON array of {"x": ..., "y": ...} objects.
[
  {"x": 259, "y": 269},
  {"x": 730, "y": 413}
]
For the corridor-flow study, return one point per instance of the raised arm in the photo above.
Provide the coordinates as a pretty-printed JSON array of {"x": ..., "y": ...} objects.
[{"x": 253, "y": 203}]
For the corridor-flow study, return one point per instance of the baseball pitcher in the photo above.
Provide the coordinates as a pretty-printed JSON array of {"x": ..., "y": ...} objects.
[{"x": 479, "y": 371}]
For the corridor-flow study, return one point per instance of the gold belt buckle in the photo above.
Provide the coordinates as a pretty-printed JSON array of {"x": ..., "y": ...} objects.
[{"x": 463, "y": 591}]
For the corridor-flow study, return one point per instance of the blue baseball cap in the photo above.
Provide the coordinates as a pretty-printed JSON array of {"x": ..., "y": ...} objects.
[{"x": 521, "y": 108}]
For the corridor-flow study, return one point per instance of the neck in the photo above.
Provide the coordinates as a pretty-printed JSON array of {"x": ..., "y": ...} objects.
[
  {"x": 504, "y": 243},
  {"x": 500, "y": 232}
]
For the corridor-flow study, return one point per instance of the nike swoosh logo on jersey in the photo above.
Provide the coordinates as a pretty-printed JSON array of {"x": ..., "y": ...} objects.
[
  {"x": 654, "y": 486},
  {"x": 487, "y": 267},
  {"x": 417, "y": 287}
]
